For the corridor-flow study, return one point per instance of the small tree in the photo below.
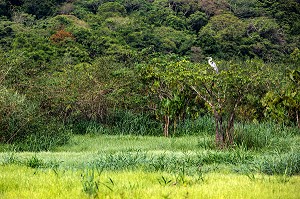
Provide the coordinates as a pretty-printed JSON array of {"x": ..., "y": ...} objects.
[
  {"x": 168, "y": 96},
  {"x": 223, "y": 92}
]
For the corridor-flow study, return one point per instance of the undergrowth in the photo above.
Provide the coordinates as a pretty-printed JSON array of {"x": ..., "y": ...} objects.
[
  {"x": 236, "y": 161},
  {"x": 267, "y": 135}
]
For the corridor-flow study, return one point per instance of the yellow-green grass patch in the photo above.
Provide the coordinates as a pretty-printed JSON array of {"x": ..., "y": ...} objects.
[{"x": 23, "y": 182}]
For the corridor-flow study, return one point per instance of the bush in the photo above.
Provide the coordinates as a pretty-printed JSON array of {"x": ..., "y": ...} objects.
[
  {"x": 21, "y": 125},
  {"x": 16, "y": 113}
]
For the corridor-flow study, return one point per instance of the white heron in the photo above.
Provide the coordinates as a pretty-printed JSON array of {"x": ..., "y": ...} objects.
[{"x": 212, "y": 64}]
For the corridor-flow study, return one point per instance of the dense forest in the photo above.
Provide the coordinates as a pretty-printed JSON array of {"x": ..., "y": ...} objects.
[{"x": 70, "y": 64}]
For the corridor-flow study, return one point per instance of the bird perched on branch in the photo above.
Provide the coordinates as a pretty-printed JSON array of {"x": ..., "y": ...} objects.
[{"x": 212, "y": 64}]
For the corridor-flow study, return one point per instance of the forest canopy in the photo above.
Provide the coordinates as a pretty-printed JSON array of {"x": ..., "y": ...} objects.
[{"x": 68, "y": 62}]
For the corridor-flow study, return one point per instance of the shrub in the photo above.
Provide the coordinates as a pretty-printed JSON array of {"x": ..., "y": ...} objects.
[
  {"x": 21, "y": 124},
  {"x": 16, "y": 115}
]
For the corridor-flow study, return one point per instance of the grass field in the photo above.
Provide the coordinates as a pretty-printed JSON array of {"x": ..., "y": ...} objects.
[
  {"x": 24, "y": 182},
  {"x": 104, "y": 166}
]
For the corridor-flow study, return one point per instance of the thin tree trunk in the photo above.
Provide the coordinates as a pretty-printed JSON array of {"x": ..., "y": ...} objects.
[
  {"x": 230, "y": 130},
  {"x": 166, "y": 127},
  {"x": 219, "y": 130},
  {"x": 297, "y": 118},
  {"x": 175, "y": 125},
  {"x": 230, "y": 124}
]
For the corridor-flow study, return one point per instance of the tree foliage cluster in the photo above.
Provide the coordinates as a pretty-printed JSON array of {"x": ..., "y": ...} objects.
[{"x": 67, "y": 61}]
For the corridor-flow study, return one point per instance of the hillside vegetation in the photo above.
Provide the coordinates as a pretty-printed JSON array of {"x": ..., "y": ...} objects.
[{"x": 139, "y": 67}]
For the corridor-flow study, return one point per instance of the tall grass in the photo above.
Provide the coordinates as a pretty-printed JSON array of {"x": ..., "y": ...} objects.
[
  {"x": 152, "y": 161},
  {"x": 199, "y": 126},
  {"x": 45, "y": 138},
  {"x": 125, "y": 122},
  {"x": 280, "y": 164},
  {"x": 121, "y": 123},
  {"x": 254, "y": 136},
  {"x": 266, "y": 135},
  {"x": 128, "y": 123}
]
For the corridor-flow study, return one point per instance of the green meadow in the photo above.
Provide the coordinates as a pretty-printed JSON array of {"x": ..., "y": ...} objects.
[
  {"x": 23, "y": 182},
  {"x": 128, "y": 166}
]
